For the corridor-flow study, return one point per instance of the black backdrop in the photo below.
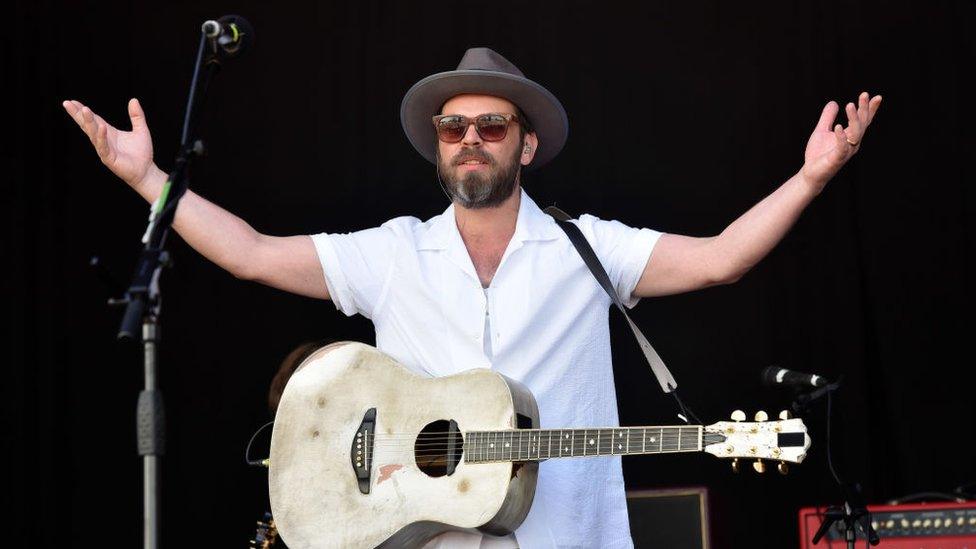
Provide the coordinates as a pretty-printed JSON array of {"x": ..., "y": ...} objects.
[{"x": 682, "y": 115}]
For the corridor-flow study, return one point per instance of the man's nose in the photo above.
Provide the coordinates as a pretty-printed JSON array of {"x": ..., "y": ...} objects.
[{"x": 471, "y": 136}]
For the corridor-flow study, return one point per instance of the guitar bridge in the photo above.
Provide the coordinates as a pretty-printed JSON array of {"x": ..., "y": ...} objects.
[{"x": 361, "y": 453}]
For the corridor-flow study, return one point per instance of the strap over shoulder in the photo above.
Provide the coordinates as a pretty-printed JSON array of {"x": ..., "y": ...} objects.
[{"x": 661, "y": 372}]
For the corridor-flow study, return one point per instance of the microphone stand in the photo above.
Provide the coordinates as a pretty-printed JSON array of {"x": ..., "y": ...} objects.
[
  {"x": 854, "y": 513},
  {"x": 143, "y": 298}
]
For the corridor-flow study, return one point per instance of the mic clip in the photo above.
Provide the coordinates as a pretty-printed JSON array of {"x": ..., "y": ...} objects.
[{"x": 802, "y": 401}]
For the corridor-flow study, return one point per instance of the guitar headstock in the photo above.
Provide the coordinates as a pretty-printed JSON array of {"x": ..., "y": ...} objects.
[{"x": 784, "y": 440}]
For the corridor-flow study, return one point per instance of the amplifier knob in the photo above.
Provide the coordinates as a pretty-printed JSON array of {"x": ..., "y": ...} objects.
[
  {"x": 889, "y": 523},
  {"x": 874, "y": 524},
  {"x": 972, "y": 521},
  {"x": 938, "y": 523},
  {"x": 916, "y": 523},
  {"x": 927, "y": 523},
  {"x": 904, "y": 523},
  {"x": 960, "y": 521}
]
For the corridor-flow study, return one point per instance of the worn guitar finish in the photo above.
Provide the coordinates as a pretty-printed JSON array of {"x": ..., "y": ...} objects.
[{"x": 366, "y": 453}]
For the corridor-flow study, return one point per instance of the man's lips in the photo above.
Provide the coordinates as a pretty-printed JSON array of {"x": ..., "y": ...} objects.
[{"x": 472, "y": 164}]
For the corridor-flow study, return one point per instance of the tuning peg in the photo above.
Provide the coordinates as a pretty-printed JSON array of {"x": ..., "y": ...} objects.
[
  {"x": 761, "y": 416},
  {"x": 783, "y": 468},
  {"x": 735, "y": 465},
  {"x": 759, "y": 466},
  {"x": 738, "y": 415},
  {"x": 785, "y": 414}
]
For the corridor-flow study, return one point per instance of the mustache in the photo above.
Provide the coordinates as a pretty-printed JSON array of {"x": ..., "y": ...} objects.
[{"x": 472, "y": 154}]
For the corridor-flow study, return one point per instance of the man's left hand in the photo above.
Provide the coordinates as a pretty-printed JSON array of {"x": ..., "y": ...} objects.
[{"x": 828, "y": 150}]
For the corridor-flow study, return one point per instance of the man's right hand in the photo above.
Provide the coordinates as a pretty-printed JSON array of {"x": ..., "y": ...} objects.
[
  {"x": 286, "y": 262},
  {"x": 129, "y": 154}
]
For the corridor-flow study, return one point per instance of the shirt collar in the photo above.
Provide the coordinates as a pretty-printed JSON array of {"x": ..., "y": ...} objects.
[{"x": 531, "y": 224}]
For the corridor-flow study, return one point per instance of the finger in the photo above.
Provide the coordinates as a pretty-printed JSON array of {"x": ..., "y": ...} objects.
[
  {"x": 827, "y": 116},
  {"x": 873, "y": 107},
  {"x": 854, "y": 130},
  {"x": 88, "y": 123},
  {"x": 136, "y": 115},
  {"x": 74, "y": 109},
  {"x": 862, "y": 109},
  {"x": 101, "y": 140},
  {"x": 843, "y": 146}
]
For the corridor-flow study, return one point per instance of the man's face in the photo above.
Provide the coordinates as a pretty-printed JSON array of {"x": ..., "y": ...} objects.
[{"x": 475, "y": 172}]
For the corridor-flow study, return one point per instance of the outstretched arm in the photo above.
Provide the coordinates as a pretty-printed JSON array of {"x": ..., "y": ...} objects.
[
  {"x": 288, "y": 263},
  {"x": 683, "y": 263}
]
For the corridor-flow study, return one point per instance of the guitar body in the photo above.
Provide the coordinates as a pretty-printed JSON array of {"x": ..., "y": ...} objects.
[{"x": 404, "y": 496}]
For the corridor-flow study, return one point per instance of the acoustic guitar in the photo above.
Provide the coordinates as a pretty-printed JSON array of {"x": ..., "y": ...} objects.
[{"x": 366, "y": 453}]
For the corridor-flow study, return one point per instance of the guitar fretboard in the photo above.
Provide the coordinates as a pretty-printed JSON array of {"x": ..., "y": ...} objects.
[{"x": 539, "y": 444}]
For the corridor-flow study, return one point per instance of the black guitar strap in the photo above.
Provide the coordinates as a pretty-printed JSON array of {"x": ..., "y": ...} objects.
[{"x": 661, "y": 372}]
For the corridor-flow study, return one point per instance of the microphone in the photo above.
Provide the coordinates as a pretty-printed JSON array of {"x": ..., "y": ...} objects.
[
  {"x": 231, "y": 34},
  {"x": 775, "y": 376}
]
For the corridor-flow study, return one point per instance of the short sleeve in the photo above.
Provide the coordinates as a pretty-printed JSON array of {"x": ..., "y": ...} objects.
[
  {"x": 357, "y": 267},
  {"x": 622, "y": 250}
]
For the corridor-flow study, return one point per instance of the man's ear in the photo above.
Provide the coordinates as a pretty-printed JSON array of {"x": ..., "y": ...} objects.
[{"x": 529, "y": 146}]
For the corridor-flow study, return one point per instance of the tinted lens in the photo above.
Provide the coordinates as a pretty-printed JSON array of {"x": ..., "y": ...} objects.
[
  {"x": 492, "y": 127},
  {"x": 451, "y": 128}
]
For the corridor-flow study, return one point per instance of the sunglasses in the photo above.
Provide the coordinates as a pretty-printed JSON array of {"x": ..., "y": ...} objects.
[{"x": 491, "y": 126}]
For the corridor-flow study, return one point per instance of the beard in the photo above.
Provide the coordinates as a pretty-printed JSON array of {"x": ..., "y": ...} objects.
[{"x": 476, "y": 189}]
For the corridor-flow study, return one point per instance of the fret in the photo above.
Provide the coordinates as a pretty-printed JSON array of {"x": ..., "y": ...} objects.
[
  {"x": 660, "y": 440},
  {"x": 507, "y": 437},
  {"x": 644, "y": 440},
  {"x": 629, "y": 432},
  {"x": 521, "y": 438},
  {"x": 574, "y": 443},
  {"x": 538, "y": 444},
  {"x": 549, "y": 446}
]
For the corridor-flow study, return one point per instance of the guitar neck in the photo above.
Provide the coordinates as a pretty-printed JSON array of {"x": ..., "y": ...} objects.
[{"x": 539, "y": 444}]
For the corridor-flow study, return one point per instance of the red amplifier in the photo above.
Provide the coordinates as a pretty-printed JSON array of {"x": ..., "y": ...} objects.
[{"x": 908, "y": 526}]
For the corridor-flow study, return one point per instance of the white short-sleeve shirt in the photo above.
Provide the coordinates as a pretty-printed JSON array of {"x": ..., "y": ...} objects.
[{"x": 548, "y": 328}]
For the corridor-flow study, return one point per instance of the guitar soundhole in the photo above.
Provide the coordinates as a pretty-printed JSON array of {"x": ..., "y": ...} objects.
[{"x": 438, "y": 448}]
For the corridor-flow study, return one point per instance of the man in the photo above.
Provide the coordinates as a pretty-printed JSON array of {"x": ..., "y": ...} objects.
[{"x": 493, "y": 282}]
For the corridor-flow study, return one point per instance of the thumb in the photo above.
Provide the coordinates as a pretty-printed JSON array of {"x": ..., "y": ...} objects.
[{"x": 136, "y": 116}]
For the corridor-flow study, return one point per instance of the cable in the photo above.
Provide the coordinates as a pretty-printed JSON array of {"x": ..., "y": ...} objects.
[{"x": 247, "y": 451}]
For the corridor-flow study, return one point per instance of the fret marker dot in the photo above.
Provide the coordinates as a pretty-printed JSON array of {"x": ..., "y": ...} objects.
[
  {"x": 591, "y": 441},
  {"x": 506, "y": 445},
  {"x": 653, "y": 439},
  {"x": 492, "y": 445},
  {"x": 567, "y": 436},
  {"x": 619, "y": 446},
  {"x": 619, "y": 435},
  {"x": 565, "y": 449}
]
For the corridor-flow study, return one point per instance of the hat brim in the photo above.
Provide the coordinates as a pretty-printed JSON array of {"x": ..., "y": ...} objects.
[{"x": 425, "y": 98}]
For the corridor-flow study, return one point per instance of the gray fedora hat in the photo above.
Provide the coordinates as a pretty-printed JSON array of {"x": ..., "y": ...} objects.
[{"x": 484, "y": 71}]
